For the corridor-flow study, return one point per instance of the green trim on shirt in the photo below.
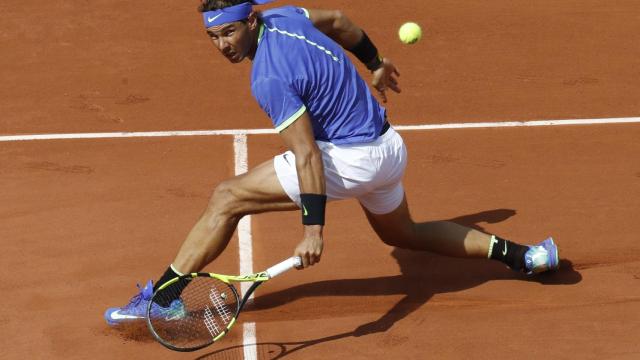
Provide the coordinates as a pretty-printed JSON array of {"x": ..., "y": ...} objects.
[
  {"x": 261, "y": 33},
  {"x": 291, "y": 119}
]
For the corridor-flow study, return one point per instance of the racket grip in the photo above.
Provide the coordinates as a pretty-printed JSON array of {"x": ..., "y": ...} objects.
[{"x": 286, "y": 265}]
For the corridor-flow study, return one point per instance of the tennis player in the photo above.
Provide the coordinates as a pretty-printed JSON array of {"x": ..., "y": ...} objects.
[{"x": 340, "y": 143}]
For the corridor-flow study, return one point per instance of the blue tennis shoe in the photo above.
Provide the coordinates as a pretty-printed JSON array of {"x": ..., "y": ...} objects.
[
  {"x": 542, "y": 257},
  {"x": 136, "y": 309}
]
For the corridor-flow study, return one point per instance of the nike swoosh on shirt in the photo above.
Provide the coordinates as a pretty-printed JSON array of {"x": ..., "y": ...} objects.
[
  {"x": 212, "y": 19},
  {"x": 117, "y": 316}
]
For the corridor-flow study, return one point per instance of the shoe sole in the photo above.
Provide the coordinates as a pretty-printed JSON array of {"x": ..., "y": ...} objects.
[{"x": 115, "y": 322}]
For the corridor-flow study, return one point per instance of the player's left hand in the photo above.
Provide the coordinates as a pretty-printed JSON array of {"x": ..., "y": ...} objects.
[
  {"x": 310, "y": 248},
  {"x": 386, "y": 78}
]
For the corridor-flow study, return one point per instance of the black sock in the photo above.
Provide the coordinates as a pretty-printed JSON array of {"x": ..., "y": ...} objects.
[
  {"x": 173, "y": 291},
  {"x": 508, "y": 252}
]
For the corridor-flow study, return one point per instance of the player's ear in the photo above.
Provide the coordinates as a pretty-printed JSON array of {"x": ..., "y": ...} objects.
[{"x": 252, "y": 20}]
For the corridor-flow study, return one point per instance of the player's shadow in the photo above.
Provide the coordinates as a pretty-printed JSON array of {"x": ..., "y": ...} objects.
[{"x": 422, "y": 276}]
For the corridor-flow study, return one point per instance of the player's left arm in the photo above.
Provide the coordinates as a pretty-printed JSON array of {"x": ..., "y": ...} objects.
[
  {"x": 336, "y": 25},
  {"x": 298, "y": 137}
]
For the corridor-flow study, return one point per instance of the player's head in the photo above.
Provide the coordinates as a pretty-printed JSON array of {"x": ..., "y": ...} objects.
[{"x": 232, "y": 26}]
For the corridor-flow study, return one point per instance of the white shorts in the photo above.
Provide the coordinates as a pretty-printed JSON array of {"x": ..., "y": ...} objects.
[{"x": 370, "y": 172}]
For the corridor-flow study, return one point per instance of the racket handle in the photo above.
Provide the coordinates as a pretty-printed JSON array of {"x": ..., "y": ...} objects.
[{"x": 286, "y": 265}]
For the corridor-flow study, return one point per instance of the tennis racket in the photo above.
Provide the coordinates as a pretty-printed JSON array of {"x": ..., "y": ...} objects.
[{"x": 195, "y": 310}]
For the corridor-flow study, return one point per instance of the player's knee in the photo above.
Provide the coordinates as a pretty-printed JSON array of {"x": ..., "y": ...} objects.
[{"x": 225, "y": 200}]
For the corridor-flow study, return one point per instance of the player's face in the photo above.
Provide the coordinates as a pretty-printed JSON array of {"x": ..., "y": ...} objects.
[{"x": 234, "y": 40}]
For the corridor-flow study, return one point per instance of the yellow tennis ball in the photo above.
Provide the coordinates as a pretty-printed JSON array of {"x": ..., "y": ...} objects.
[{"x": 410, "y": 33}]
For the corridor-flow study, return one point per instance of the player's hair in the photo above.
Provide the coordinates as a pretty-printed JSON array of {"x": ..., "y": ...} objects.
[{"x": 211, "y": 5}]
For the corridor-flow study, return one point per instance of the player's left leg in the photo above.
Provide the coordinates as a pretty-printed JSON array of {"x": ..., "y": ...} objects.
[
  {"x": 397, "y": 228},
  {"x": 386, "y": 208}
]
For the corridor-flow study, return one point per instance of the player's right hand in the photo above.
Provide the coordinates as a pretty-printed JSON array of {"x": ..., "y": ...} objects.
[
  {"x": 310, "y": 248},
  {"x": 385, "y": 77}
]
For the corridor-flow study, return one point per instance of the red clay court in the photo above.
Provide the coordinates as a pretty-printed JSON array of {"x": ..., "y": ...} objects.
[{"x": 83, "y": 217}]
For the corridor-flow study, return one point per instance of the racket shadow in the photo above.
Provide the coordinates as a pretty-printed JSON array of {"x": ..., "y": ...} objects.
[{"x": 423, "y": 275}]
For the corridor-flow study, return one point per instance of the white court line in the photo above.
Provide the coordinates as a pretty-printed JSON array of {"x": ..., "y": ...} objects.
[
  {"x": 241, "y": 160},
  {"x": 141, "y": 134},
  {"x": 626, "y": 120},
  {"x": 249, "y": 341},
  {"x": 234, "y": 132}
]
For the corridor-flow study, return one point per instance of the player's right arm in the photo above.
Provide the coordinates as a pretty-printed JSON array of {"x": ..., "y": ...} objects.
[
  {"x": 298, "y": 137},
  {"x": 336, "y": 25}
]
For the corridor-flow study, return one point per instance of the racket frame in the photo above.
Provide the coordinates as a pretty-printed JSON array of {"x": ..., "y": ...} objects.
[{"x": 257, "y": 279}]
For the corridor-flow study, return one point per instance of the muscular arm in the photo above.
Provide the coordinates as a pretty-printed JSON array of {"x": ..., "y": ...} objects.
[
  {"x": 340, "y": 29},
  {"x": 299, "y": 139}
]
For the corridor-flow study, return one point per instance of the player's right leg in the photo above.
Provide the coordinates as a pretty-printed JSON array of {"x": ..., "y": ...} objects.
[{"x": 256, "y": 191}]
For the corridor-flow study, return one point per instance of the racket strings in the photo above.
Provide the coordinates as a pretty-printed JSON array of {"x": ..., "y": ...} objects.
[
  {"x": 208, "y": 306},
  {"x": 218, "y": 300}
]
